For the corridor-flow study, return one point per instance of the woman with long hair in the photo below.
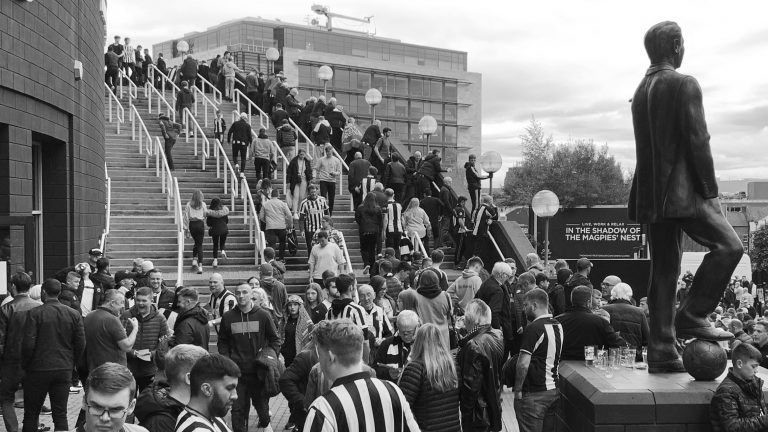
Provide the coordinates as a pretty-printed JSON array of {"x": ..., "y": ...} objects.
[
  {"x": 218, "y": 228},
  {"x": 429, "y": 382},
  {"x": 314, "y": 304},
  {"x": 382, "y": 299},
  {"x": 416, "y": 222},
  {"x": 295, "y": 332},
  {"x": 194, "y": 225},
  {"x": 369, "y": 219}
]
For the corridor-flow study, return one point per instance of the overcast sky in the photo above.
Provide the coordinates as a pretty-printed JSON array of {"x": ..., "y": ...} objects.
[{"x": 572, "y": 64}]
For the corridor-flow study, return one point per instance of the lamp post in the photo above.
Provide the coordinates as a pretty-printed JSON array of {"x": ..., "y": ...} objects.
[
  {"x": 491, "y": 162},
  {"x": 427, "y": 126},
  {"x": 545, "y": 204},
  {"x": 373, "y": 98},
  {"x": 272, "y": 55},
  {"x": 182, "y": 47},
  {"x": 325, "y": 73}
]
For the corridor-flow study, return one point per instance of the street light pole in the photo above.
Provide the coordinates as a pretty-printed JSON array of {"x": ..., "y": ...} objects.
[
  {"x": 427, "y": 126},
  {"x": 373, "y": 98},
  {"x": 491, "y": 162},
  {"x": 325, "y": 73},
  {"x": 545, "y": 204},
  {"x": 272, "y": 55}
]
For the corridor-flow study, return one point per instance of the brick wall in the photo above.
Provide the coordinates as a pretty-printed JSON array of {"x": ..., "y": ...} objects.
[{"x": 41, "y": 103}]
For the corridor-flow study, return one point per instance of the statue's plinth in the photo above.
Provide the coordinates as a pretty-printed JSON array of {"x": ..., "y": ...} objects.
[{"x": 633, "y": 400}]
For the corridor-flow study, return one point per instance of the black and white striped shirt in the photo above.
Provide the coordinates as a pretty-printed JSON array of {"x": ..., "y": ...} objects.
[
  {"x": 367, "y": 185},
  {"x": 543, "y": 340},
  {"x": 350, "y": 310},
  {"x": 360, "y": 403},
  {"x": 190, "y": 420},
  {"x": 394, "y": 214},
  {"x": 378, "y": 323},
  {"x": 482, "y": 219},
  {"x": 313, "y": 211},
  {"x": 222, "y": 303}
]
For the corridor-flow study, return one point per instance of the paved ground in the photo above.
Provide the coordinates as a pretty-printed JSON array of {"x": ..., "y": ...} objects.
[{"x": 278, "y": 406}]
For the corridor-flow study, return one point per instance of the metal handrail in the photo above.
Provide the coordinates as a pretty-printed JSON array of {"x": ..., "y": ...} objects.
[
  {"x": 345, "y": 252},
  {"x": 335, "y": 153},
  {"x": 230, "y": 176},
  {"x": 214, "y": 90},
  {"x": 108, "y": 206},
  {"x": 496, "y": 246},
  {"x": 206, "y": 103},
  {"x": 279, "y": 152},
  {"x": 170, "y": 186},
  {"x": 160, "y": 98},
  {"x": 163, "y": 79},
  {"x": 134, "y": 114},
  {"x": 179, "y": 234},
  {"x": 119, "y": 110},
  {"x": 205, "y": 147},
  {"x": 418, "y": 245},
  {"x": 263, "y": 117},
  {"x": 133, "y": 91},
  {"x": 251, "y": 217}
]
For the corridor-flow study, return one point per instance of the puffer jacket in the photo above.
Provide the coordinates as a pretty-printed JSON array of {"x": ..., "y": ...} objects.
[
  {"x": 286, "y": 136},
  {"x": 156, "y": 410},
  {"x": 433, "y": 410},
  {"x": 479, "y": 361},
  {"x": 463, "y": 289},
  {"x": 738, "y": 406},
  {"x": 431, "y": 167},
  {"x": 151, "y": 328},
  {"x": 629, "y": 320},
  {"x": 191, "y": 327},
  {"x": 188, "y": 69},
  {"x": 269, "y": 368},
  {"x": 293, "y": 382}
]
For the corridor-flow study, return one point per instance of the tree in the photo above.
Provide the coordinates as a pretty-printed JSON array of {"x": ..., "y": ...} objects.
[
  {"x": 579, "y": 173},
  {"x": 759, "y": 251}
]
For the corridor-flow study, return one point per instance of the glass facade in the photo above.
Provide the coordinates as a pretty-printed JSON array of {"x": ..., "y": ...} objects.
[{"x": 239, "y": 36}]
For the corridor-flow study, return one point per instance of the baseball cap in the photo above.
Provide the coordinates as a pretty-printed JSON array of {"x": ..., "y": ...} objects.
[{"x": 95, "y": 252}]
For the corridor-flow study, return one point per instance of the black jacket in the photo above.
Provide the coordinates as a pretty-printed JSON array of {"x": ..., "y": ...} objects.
[
  {"x": 581, "y": 328},
  {"x": 322, "y": 136},
  {"x": 479, "y": 360},
  {"x": 368, "y": 221},
  {"x": 188, "y": 69},
  {"x": 499, "y": 300},
  {"x": 371, "y": 135},
  {"x": 575, "y": 280},
  {"x": 473, "y": 180},
  {"x": 431, "y": 167},
  {"x": 191, "y": 327},
  {"x": 294, "y": 177},
  {"x": 738, "y": 406},
  {"x": 628, "y": 320},
  {"x": 13, "y": 321},
  {"x": 156, "y": 410},
  {"x": 241, "y": 132},
  {"x": 278, "y": 116},
  {"x": 285, "y": 136},
  {"x": 184, "y": 99},
  {"x": 54, "y": 338},
  {"x": 293, "y": 382},
  {"x": 318, "y": 109},
  {"x": 243, "y": 346}
]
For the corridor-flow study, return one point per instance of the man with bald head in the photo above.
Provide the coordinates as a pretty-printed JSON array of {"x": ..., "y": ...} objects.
[
  {"x": 581, "y": 327},
  {"x": 607, "y": 285},
  {"x": 221, "y": 301},
  {"x": 358, "y": 170},
  {"x": 675, "y": 191}
]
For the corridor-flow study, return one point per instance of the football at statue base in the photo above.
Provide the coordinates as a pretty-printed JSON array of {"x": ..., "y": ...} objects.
[{"x": 704, "y": 360}]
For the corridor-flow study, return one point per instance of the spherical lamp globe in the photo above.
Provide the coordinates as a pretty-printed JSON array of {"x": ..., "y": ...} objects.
[
  {"x": 373, "y": 97},
  {"x": 545, "y": 203},
  {"x": 272, "y": 54}
]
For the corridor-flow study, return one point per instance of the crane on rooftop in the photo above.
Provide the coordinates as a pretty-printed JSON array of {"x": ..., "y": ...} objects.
[{"x": 326, "y": 11}]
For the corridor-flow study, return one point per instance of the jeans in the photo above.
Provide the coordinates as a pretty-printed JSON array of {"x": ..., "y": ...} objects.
[
  {"x": 308, "y": 237},
  {"x": 37, "y": 385},
  {"x": 229, "y": 87},
  {"x": 274, "y": 236},
  {"x": 393, "y": 241},
  {"x": 197, "y": 230},
  {"x": 11, "y": 376},
  {"x": 111, "y": 77},
  {"x": 242, "y": 149},
  {"x": 249, "y": 389},
  {"x": 535, "y": 412},
  {"x": 357, "y": 198},
  {"x": 328, "y": 191},
  {"x": 219, "y": 240},
  {"x": 461, "y": 248},
  {"x": 298, "y": 194},
  {"x": 169, "y": 143},
  {"x": 368, "y": 243},
  {"x": 262, "y": 168}
]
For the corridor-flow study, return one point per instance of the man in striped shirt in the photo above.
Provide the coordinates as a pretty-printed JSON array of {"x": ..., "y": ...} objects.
[
  {"x": 536, "y": 373},
  {"x": 355, "y": 401},
  {"x": 377, "y": 320},
  {"x": 213, "y": 390},
  {"x": 221, "y": 301},
  {"x": 393, "y": 222},
  {"x": 481, "y": 221},
  {"x": 311, "y": 213}
]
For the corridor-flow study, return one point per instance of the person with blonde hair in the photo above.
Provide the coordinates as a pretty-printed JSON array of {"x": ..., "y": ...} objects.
[
  {"x": 194, "y": 225},
  {"x": 416, "y": 222},
  {"x": 429, "y": 382}
]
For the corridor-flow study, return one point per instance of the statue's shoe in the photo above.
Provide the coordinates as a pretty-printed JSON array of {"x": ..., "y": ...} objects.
[
  {"x": 706, "y": 333},
  {"x": 667, "y": 366}
]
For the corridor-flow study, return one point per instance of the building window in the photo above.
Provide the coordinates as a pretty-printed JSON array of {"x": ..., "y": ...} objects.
[
  {"x": 380, "y": 82},
  {"x": 450, "y": 113},
  {"x": 449, "y": 136},
  {"x": 450, "y": 94},
  {"x": 417, "y": 87},
  {"x": 363, "y": 81},
  {"x": 417, "y": 109},
  {"x": 401, "y": 86},
  {"x": 436, "y": 89},
  {"x": 401, "y": 108},
  {"x": 341, "y": 79}
]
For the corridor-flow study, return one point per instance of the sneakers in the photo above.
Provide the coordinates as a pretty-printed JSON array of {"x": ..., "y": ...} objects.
[
  {"x": 267, "y": 428},
  {"x": 74, "y": 390},
  {"x": 215, "y": 263},
  {"x": 289, "y": 426},
  {"x": 366, "y": 270},
  {"x": 194, "y": 263},
  {"x": 199, "y": 269},
  {"x": 237, "y": 168},
  {"x": 223, "y": 254},
  {"x": 45, "y": 410}
]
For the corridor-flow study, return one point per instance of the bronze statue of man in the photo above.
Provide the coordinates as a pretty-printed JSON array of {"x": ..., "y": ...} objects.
[{"x": 674, "y": 192}]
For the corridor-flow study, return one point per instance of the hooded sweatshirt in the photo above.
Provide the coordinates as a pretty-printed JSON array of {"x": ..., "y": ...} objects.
[
  {"x": 192, "y": 328},
  {"x": 243, "y": 335},
  {"x": 432, "y": 304},
  {"x": 156, "y": 410},
  {"x": 262, "y": 148},
  {"x": 463, "y": 289}
]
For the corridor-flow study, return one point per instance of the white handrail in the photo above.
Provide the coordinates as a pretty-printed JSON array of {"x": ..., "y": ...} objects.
[
  {"x": 279, "y": 152},
  {"x": 205, "y": 147},
  {"x": 170, "y": 186},
  {"x": 214, "y": 90},
  {"x": 133, "y": 91},
  {"x": 108, "y": 206},
  {"x": 119, "y": 111},
  {"x": 179, "y": 234},
  {"x": 496, "y": 245},
  {"x": 163, "y": 171},
  {"x": 251, "y": 217},
  {"x": 418, "y": 245},
  {"x": 163, "y": 79},
  {"x": 345, "y": 252},
  {"x": 206, "y": 103},
  {"x": 160, "y": 98},
  {"x": 263, "y": 117},
  {"x": 134, "y": 114},
  {"x": 230, "y": 176},
  {"x": 335, "y": 153}
]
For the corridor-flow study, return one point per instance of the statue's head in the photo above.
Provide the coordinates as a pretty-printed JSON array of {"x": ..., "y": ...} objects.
[{"x": 664, "y": 43}]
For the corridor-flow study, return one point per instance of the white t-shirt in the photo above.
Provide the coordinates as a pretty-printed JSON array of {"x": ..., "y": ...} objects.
[
  {"x": 325, "y": 258},
  {"x": 86, "y": 302}
]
